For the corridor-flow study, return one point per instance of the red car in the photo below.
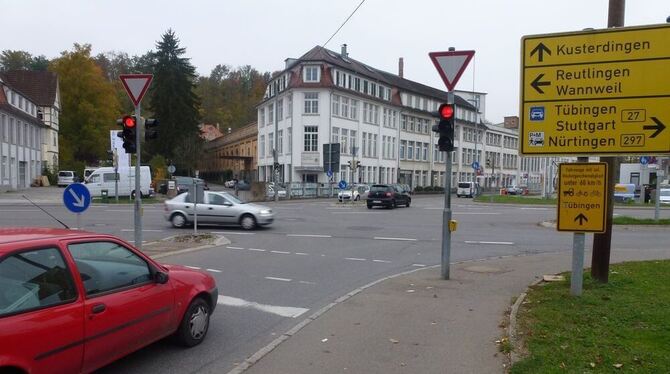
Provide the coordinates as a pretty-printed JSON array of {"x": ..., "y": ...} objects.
[{"x": 74, "y": 301}]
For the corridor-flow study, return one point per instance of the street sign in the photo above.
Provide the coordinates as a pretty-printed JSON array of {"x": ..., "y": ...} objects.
[
  {"x": 602, "y": 92},
  {"x": 329, "y": 173},
  {"x": 582, "y": 197},
  {"x": 76, "y": 198},
  {"x": 451, "y": 65},
  {"x": 475, "y": 165},
  {"x": 342, "y": 185},
  {"x": 136, "y": 85},
  {"x": 171, "y": 169},
  {"x": 644, "y": 160}
]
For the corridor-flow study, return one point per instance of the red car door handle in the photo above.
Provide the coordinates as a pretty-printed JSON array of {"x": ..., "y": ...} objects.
[{"x": 98, "y": 308}]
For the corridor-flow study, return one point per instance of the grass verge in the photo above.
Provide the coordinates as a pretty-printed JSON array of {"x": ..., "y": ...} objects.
[
  {"x": 625, "y": 220},
  {"x": 619, "y": 326},
  {"x": 514, "y": 199}
]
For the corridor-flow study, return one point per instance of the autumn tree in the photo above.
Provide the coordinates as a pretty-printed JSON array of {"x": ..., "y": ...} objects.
[
  {"x": 89, "y": 107},
  {"x": 173, "y": 102},
  {"x": 22, "y": 60}
]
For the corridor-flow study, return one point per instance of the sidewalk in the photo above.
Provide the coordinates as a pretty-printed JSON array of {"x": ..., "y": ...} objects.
[{"x": 418, "y": 323}]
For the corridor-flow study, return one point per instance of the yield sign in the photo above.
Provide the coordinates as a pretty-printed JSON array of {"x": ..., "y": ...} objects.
[
  {"x": 136, "y": 85},
  {"x": 451, "y": 65}
]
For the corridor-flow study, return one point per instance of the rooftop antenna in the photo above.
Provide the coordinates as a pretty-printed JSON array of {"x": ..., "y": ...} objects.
[{"x": 49, "y": 214}]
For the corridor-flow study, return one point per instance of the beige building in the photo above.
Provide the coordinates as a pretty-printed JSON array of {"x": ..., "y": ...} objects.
[{"x": 231, "y": 155}]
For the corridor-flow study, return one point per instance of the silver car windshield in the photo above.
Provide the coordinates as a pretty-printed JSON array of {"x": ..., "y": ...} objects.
[{"x": 233, "y": 198}]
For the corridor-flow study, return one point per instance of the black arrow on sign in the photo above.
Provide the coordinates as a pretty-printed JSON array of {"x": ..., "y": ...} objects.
[
  {"x": 540, "y": 50},
  {"x": 581, "y": 217},
  {"x": 536, "y": 84},
  {"x": 659, "y": 127}
]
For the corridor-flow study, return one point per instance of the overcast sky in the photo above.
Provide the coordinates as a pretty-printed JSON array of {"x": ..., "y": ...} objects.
[{"x": 264, "y": 33}]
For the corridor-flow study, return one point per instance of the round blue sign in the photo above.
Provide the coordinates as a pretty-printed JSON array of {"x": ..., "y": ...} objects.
[
  {"x": 329, "y": 173},
  {"x": 475, "y": 165},
  {"x": 76, "y": 197},
  {"x": 644, "y": 160},
  {"x": 342, "y": 184}
]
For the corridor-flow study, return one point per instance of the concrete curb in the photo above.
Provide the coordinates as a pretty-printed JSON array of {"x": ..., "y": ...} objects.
[
  {"x": 512, "y": 327},
  {"x": 222, "y": 240}
]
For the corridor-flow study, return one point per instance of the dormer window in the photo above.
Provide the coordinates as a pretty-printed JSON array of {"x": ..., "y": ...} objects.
[{"x": 311, "y": 74}]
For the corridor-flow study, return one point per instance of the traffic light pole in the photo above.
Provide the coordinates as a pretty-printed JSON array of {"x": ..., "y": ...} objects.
[
  {"x": 446, "y": 218},
  {"x": 138, "y": 191}
]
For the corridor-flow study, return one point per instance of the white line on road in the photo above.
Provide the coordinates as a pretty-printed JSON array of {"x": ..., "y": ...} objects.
[
  {"x": 306, "y": 282},
  {"x": 234, "y": 247},
  {"x": 388, "y": 238},
  {"x": 281, "y": 252},
  {"x": 193, "y": 267},
  {"x": 214, "y": 270},
  {"x": 384, "y": 261},
  {"x": 355, "y": 259},
  {"x": 283, "y": 311},
  {"x": 309, "y": 236},
  {"x": 233, "y": 233},
  {"x": 258, "y": 250},
  {"x": 302, "y": 254},
  {"x": 419, "y": 265},
  {"x": 278, "y": 279},
  {"x": 480, "y": 242}
]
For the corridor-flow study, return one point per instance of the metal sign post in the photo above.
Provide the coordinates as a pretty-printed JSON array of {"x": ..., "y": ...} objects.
[
  {"x": 194, "y": 193},
  {"x": 446, "y": 218}
]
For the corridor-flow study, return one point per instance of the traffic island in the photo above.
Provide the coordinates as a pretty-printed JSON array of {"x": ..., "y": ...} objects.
[{"x": 183, "y": 243}]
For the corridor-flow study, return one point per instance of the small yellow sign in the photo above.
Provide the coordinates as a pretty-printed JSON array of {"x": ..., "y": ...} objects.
[
  {"x": 596, "y": 92},
  {"x": 582, "y": 197}
]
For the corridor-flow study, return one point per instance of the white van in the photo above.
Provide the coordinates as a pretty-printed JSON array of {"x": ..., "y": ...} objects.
[
  {"x": 469, "y": 189},
  {"x": 103, "y": 179}
]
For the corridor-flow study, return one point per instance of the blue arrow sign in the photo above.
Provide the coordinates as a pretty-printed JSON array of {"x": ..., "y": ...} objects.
[
  {"x": 644, "y": 160},
  {"x": 475, "y": 165},
  {"x": 76, "y": 197},
  {"x": 342, "y": 184},
  {"x": 329, "y": 173}
]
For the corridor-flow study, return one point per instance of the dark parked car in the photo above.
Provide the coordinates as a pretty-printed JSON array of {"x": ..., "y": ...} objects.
[
  {"x": 388, "y": 195},
  {"x": 243, "y": 185}
]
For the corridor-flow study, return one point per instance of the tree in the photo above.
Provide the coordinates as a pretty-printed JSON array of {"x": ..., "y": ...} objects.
[
  {"x": 174, "y": 103},
  {"x": 89, "y": 107},
  {"x": 22, "y": 60}
]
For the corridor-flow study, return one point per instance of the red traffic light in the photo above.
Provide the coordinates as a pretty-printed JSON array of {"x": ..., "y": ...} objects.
[
  {"x": 446, "y": 111},
  {"x": 129, "y": 122}
]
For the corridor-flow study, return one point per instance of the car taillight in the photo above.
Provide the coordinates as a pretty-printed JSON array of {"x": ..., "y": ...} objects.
[{"x": 388, "y": 194}]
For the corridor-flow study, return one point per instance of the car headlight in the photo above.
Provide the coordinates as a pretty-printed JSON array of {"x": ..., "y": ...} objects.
[{"x": 266, "y": 212}]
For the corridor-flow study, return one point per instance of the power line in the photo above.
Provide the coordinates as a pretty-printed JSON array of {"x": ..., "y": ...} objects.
[{"x": 343, "y": 23}]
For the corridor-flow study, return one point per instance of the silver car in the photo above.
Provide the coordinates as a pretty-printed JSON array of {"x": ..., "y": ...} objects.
[{"x": 217, "y": 208}]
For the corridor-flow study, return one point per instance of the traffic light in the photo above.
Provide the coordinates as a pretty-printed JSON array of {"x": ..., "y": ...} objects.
[
  {"x": 349, "y": 163},
  {"x": 149, "y": 129},
  {"x": 488, "y": 162},
  {"x": 445, "y": 127},
  {"x": 358, "y": 164},
  {"x": 129, "y": 133}
]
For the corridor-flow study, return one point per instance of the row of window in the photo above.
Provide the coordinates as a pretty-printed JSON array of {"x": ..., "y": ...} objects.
[
  {"x": 21, "y": 133},
  {"x": 345, "y": 107},
  {"x": 355, "y": 83},
  {"x": 368, "y": 174},
  {"x": 417, "y": 151},
  {"x": 415, "y": 124},
  {"x": 18, "y": 101},
  {"x": 347, "y": 139},
  {"x": 266, "y": 115}
]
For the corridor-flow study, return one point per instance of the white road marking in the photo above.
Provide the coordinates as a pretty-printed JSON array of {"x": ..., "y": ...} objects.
[
  {"x": 419, "y": 265},
  {"x": 301, "y": 254},
  {"x": 193, "y": 267},
  {"x": 355, "y": 259},
  {"x": 258, "y": 250},
  {"x": 383, "y": 261},
  {"x": 234, "y": 247},
  {"x": 306, "y": 282},
  {"x": 281, "y": 252},
  {"x": 279, "y": 279},
  {"x": 482, "y": 242},
  {"x": 309, "y": 236},
  {"x": 233, "y": 233},
  {"x": 283, "y": 311},
  {"x": 388, "y": 238},
  {"x": 214, "y": 270}
]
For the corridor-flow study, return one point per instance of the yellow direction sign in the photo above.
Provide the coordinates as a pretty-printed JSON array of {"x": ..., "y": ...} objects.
[
  {"x": 582, "y": 197},
  {"x": 596, "y": 92}
]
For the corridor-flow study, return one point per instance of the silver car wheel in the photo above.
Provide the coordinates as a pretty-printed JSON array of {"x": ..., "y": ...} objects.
[
  {"x": 198, "y": 323},
  {"x": 178, "y": 220},
  {"x": 248, "y": 222}
]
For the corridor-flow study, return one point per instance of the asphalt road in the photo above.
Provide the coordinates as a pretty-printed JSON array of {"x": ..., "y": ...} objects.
[{"x": 271, "y": 279}]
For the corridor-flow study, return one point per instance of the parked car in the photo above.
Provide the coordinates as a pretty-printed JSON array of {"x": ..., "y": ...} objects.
[
  {"x": 184, "y": 183},
  {"x": 66, "y": 177},
  {"x": 219, "y": 208},
  {"x": 243, "y": 185},
  {"x": 349, "y": 194},
  {"x": 665, "y": 196},
  {"x": 73, "y": 301},
  {"x": 104, "y": 179},
  {"x": 229, "y": 184},
  {"x": 513, "y": 190},
  {"x": 281, "y": 192},
  {"x": 387, "y": 195},
  {"x": 468, "y": 189}
]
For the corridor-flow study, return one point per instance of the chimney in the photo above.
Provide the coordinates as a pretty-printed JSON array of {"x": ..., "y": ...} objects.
[
  {"x": 401, "y": 67},
  {"x": 290, "y": 62},
  {"x": 344, "y": 51}
]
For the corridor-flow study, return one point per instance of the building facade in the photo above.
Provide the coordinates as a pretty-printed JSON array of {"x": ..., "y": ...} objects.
[
  {"x": 21, "y": 134},
  {"x": 42, "y": 88},
  {"x": 232, "y": 153},
  {"x": 379, "y": 119}
]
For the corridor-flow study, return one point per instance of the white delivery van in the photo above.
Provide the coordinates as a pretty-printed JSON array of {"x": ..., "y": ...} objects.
[
  {"x": 103, "y": 179},
  {"x": 469, "y": 189}
]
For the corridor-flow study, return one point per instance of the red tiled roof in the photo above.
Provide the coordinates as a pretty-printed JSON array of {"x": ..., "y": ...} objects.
[{"x": 39, "y": 86}]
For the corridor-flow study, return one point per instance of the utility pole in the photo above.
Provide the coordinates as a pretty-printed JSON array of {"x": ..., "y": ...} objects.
[
  {"x": 600, "y": 258},
  {"x": 275, "y": 164}
]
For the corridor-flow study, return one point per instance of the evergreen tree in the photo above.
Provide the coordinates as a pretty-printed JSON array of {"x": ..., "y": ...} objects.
[{"x": 173, "y": 102}]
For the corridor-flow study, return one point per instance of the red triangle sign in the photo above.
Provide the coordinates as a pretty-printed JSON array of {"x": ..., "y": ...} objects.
[
  {"x": 451, "y": 65},
  {"x": 136, "y": 85}
]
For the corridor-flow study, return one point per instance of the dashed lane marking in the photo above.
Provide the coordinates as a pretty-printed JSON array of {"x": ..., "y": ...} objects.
[
  {"x": 419, "y": 265},
  {"x": 354, "y": 259},
  {"x": 390, "y": 238},
  {"x": 309, "y": 236},
  {"x": 193, "y": 267},
  {"x": 301, "y": 254},
  {"x": 279, "y": 279},
  {"x": 258, "y": 250},
  {"x": 382, "y": 261},
  {"x": 229, "y": 247},
  {"x": 281, "y": 252},
  {"x": 214, "y": 270}
]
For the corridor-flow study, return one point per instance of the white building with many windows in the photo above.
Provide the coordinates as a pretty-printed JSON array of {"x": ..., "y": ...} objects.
[
  {"x": 20, "y": 138},
  {"x": 381, "y": 120}
]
